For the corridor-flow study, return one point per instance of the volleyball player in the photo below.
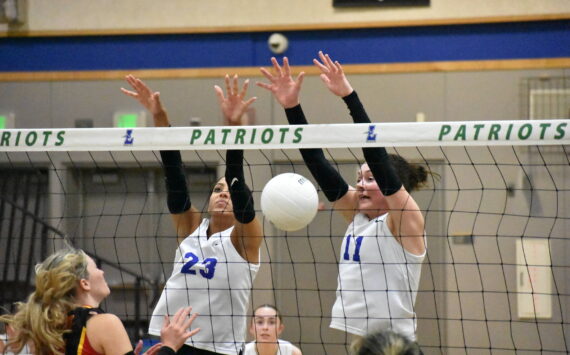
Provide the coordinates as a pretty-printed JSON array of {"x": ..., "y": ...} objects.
[
  {"x": 218, "y": 256},
  {"x": 266, "y": 327},
  {"x": 384, "y": 244},
  {"x": 62, "y": 315}
]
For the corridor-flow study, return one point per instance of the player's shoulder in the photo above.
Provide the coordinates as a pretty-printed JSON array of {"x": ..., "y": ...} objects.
[{"x": 107, "y": 321}]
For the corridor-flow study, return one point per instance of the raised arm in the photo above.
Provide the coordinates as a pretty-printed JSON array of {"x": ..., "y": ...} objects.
[
  {"x": 405, "y": 219},
  {"x": 286, "y": 92},
  {"x": 248, "y": 233},
  {"x": 148, "y": 99},
  {"x": 185, "y": 217}
]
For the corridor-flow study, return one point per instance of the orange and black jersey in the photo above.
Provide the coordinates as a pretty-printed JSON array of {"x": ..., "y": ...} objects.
[{"x": 76, "y": 341}]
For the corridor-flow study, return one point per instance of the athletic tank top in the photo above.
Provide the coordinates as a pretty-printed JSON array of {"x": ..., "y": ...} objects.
[
  {"x": 209, "y": 275},
  {"x": 77, "y": 342},
  {"x": 285, "y": 348},
  {"x": 377, "y": 281}
]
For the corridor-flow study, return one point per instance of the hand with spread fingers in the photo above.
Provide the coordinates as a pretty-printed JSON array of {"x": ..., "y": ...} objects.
[
  {"x": 176, "y": 331},
  {"x": 333, "y": 76},
  {"x": 281, "y": 84},
  {"x": 149, "y": 99},
  {"x": 232, "y": 103}
]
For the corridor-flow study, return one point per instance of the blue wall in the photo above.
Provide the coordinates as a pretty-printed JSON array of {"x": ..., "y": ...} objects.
[{"x": 517, "y": 40}]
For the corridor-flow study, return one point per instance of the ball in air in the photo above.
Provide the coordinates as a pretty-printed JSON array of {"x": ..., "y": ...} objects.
[{"x": 290, "y": 201}]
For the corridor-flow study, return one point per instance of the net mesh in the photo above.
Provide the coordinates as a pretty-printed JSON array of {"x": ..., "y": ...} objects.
[{"x": 495, "y": 278}]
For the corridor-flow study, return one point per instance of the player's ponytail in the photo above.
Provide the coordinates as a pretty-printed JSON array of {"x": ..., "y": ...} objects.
[{"x": 412, "y": 176}]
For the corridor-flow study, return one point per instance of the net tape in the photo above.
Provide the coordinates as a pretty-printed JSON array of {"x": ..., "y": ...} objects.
[{"x": 425, "y": 134}]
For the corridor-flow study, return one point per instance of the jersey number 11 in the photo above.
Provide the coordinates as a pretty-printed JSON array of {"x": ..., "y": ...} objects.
[{"x": 356, "y": 255}]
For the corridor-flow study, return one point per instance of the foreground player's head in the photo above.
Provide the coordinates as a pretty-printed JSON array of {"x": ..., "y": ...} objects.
[
  {"x": 385, "y": 342},
  {"x": 60, "y": 274}
]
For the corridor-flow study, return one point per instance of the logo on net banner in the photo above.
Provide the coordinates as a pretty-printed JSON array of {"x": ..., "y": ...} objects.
[
  {"x": 129, "y": 139},
  {"x": 371, "y": 134}
]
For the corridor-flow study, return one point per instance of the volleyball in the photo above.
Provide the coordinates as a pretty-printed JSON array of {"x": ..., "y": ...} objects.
[{"x": 289, "y": 201}]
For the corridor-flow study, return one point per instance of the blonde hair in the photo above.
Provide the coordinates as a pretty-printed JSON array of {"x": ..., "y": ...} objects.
[{"x": 42, "y": 319}]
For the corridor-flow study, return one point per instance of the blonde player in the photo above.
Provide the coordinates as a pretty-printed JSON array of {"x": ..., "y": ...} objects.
[{"x": 62, "y": 315}]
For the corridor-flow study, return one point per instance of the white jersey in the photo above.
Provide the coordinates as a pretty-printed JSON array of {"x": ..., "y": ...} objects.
[
  {"x": 377, "y": 281},
  {"x": 209, "y": 275},
  {"x": 285, "y": 348}
]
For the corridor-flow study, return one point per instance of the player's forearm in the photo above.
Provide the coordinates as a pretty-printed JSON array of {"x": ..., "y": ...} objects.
[
  {"x": 178, "y": 199},
  {"x": 240, "y": 194},
  {"x": 377, "y": 158},
  {"x": 328, "y": 178}
]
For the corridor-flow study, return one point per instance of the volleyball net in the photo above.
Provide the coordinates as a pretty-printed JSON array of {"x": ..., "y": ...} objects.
[{"x": 497, "y": 210}]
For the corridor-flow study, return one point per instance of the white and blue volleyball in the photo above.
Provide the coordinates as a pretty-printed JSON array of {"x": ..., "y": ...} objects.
[{"x": 290, "y": 201}]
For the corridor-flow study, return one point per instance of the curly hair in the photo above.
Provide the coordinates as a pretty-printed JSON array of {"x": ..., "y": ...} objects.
[{"x": 42, "y": 319}]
